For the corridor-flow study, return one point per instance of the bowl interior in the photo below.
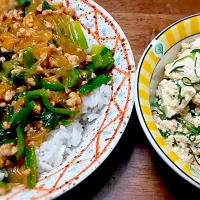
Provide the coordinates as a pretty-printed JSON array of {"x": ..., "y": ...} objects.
[
  {"x": 162, "y": 50},
  {"x": 167, "y": 58}
]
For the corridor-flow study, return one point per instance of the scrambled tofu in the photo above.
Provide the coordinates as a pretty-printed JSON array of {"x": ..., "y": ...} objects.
[{"x": 174, "y": 96}]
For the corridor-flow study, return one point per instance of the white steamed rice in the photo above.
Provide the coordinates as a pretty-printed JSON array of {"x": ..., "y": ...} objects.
[{"x": 64, "y": 140}]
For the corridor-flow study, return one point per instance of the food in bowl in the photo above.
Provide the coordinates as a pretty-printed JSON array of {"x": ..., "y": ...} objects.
[
  {"x": 176, "y": 109},
  {"x": 50, "y": 87}
]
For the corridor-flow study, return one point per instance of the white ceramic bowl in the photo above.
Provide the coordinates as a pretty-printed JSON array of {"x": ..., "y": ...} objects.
[{"x": 162, "y": 50}]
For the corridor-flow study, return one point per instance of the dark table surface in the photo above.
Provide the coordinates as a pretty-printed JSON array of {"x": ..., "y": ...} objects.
[{"x": 134, "y": 170}]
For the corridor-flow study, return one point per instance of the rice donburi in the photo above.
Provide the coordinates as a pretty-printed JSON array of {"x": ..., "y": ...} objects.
[{"x": 45, "y": 75}]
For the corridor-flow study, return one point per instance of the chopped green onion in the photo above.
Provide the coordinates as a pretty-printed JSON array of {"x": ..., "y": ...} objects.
[
  {"x": 156, "y": 108},
  {"x": 183, "y": 58},
  {"x": 188, "y": 125},
  {"x": 165, "y": 134},
  {"x": 180, "y": 97},
  {"x": 186, "y": 81},
  {"x": 176, "y": 69},
  {"x": 180, "y": 133},
  {"x": 77, "y": 34}
]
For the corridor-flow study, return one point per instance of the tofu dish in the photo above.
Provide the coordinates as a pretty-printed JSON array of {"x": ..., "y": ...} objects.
[
  {"x": 176, "y": 109},
  {"x": 51, "y": 85}
]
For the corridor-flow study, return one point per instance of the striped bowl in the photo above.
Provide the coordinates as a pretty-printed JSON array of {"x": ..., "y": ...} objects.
[{"x": 162, "y": 50}]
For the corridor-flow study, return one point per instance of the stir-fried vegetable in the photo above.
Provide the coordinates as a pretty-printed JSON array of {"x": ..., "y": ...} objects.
[
  {"x": 42, "y": 93},
  {"x": 156, "y": 108},
  {"x": 24, "y": 2},
  {"x": 55, "y": 86},
  {"x": 93, "y": 84},
  {"x": 28, "y": 57},
  {"x": 46, "y": 6},
  {"x": 31, "y": 163},
  {"x": 77, "y": 34},
  {"x": 22, "y": 113}
]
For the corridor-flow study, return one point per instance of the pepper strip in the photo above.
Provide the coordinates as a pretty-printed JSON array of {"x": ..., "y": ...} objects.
[
  {"x": 22, "y": 114},
  {"x": 20, "y": 140},
  {"x": 31, "y": 163},
  {"x": 55, "y": 86},
  {"x": 42, "y": 93}
]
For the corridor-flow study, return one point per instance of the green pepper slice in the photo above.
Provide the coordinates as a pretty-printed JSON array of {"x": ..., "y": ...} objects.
[
  {"x": 42, "y": 93},
  {"x": 28, "y": 57},
  {"x": 22, "y": 114},
  {"x": 55, "y": 86},
  {"x": 93, "y": 84},
  {"x": 31, "y": 163},
  {"x": 20, "y": 140},
  {"x": 72, "y": 78}
]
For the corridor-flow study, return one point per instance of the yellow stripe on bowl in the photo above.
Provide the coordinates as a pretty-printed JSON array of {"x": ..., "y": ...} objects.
[
  {"x": 151, "y": 125},
  {"x": 152, "y": 58},
  {"x": 188, "y": 27},
  {"x": 181, "y": 30},
  {"x": 186, "y": 169},
  {"x": 161, "y": 142},
  {"x": 170, "y": 37},
  {"x": 149, "y": 118},
  {"x": 146, "y": 110},
  {"x": 147, "y": 67},
  {"x": 194, "y": 23},
  {"x": 143, "y": 79},
  {"x": 143, "y": 94},
  {"x": 176, "y": 33},
  {"x": 173, "y": 156}
]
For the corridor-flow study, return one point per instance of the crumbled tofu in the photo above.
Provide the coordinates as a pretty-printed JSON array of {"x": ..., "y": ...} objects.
[
  {"x": 196, "y": 44},
  {"x": 187, "y": 71},
  {"x": 196, "y": 99},
  {"x": 193, "y": 119},
  {"x": 47, "y": 12},
  {"x": 183, "y": 153},
  {"x": 168, "y": 93},
  {"x": 47, "y": 24},
  {"x": 185, "y": 46},
  {"x": 165, "y": 125}
]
